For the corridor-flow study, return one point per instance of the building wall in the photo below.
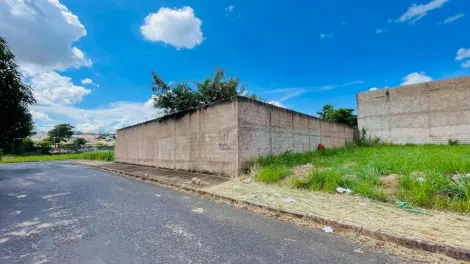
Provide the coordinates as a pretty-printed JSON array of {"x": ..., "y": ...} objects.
[
  {"x": 431, "y": 112},
  {"x": 203, "y": 140},
  {"x": 265, "y": 129}
]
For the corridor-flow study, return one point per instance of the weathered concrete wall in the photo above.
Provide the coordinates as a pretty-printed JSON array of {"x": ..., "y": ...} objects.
[
  {"x": 203, "y": 140},
  {"x": 222, "y": 137},
  {"x": 431, "y": 112},
  {"x": 266, "y": 129}
]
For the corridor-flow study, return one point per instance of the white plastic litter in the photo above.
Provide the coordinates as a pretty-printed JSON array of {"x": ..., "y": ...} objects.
[
  {"x": 327, "y": 229},
  {"x": 359, "y": 250},
  {"x": 247, "y": 181},
  {"x": 420, "y": 179},
  {"x": 343, "y": 190},
  {"x": 289, "y": 200}
]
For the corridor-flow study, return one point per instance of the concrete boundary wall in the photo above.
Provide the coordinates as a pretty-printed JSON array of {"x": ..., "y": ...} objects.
[
  {"x": 220, "y": 138},
  {"x": 432, "y": 112}
]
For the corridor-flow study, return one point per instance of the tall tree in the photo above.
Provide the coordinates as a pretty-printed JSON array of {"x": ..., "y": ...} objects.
[
  {"x": 15, "y": 98},
  {"x": 340, "y": 115},
  {"x": 60, "y": 133},
  {"x": 180, "y": 96}
]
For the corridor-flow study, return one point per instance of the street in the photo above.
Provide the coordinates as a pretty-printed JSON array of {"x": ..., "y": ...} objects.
[{"x": 56, "y": 212}]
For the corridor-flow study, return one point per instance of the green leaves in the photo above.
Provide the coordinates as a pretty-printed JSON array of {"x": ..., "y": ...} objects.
[
  {"x": 181, "y": 96},
  {"x": 341, "y": 115},
  {"x": 15, "y": 98}
]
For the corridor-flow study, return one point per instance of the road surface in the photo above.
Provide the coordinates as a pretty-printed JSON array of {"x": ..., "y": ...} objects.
[{"x": 55, "y": 212}]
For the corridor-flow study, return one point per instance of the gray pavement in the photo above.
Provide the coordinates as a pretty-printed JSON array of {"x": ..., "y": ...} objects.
[{"x": 55, "y": 212}]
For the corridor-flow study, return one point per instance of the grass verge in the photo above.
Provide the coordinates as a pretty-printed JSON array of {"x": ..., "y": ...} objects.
[
  {"x": 100, "y": 155},
  {"x": 34, "y": 158},
  {"x": 432, "y": 176}
]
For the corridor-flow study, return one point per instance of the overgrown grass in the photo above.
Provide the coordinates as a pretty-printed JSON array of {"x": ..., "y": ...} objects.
[
  {"x": 100, "y": 155},
  {"x": 34, "y": 158},
  {"x": 432, "y": 176}
]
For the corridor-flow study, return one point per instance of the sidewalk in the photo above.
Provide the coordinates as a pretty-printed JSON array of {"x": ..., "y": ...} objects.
[{"x": 431, "y": 230}]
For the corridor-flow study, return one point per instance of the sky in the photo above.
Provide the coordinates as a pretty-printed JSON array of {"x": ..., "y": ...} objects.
[{"x": 89, "y": 62}]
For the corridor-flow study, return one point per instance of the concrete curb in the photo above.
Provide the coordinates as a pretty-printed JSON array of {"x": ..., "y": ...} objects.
[{"x": 406, "y": 241}]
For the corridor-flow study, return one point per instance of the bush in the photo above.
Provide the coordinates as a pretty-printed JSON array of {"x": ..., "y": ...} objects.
[
  {"x": 273, "y": 173},
  {"x": 100, "y": 144},
  {"x": 27, "y": 145},
  {"x": 45, "y": 146},
  {"x": 100, "y": 155},
  {"x": 453, "y": 142}
]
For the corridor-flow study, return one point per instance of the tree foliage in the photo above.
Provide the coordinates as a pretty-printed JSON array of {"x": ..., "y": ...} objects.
[
  {"x": 181, "y": 96},
  {"x": 45, "y": 146},
  {"x": 340, "y": 115},
  {"x": 15, "y": 98},
  {"x": 79, "y": 142},
  {"x": 60, "y": 133}
]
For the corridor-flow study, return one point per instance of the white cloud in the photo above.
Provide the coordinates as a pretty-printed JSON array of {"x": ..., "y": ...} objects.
[
  {"x": 291, "y": 92},
  {"x": 177, "y": 27},
  {"x": 52, "y": 88},
  {"x": 87, "y": 81},
  {"x": 343, "y": 23},
  {"x": 39, "y": 116},
  {"x": 109, "y": 118},
  {"x": 416, "y": 12},
  {"x": 373, "y": 89},
  {"x": 41, "y": 33},
  {"x": 462, "y": 54},
  {"x": 416, "y": 77},
  {"x": 324, "y": 36},
  {"x": 466, "y": 64},
  {"x": 229, "y": 9},
  {"x": 277, "y": 103},
  {"x": 380, "y": 30},
  {"x": 454, "y": 18}
]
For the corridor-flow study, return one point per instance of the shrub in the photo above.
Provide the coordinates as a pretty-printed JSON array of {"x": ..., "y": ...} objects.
[
  {"x": 100, "y": 155},
  {"x": 27, "y": 145},
  {"x": 273, "y": 173},
  {"x": 100, "y": 144},
  {"x": 453, "y": 142},
  {"x": 45, "y": 146}
]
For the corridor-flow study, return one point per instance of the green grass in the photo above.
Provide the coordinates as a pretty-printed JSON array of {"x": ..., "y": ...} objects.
[
  {"x": 34, "y": 158},
  {"x": 426, "y": 173},
  {"x": 100, "y": 155}
]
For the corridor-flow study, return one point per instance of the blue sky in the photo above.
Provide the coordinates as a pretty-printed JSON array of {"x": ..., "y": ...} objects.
[{"x": 89, "y": 62}]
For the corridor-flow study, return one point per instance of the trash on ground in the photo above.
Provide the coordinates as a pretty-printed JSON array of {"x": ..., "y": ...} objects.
[
  {"x": 197, "y": 181},
  {"x": 327, "y": 229},
  {"x": 289, "y": 200},
  {"x": 247, "y": 181},
  {"x": 420, "y": 179},
  {"x": 343, "y": 190},
  {"x": 359, "y": 250},
  {"x": 404, "y": 205}
]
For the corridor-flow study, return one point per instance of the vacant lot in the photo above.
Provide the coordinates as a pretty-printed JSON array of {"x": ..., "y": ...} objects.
[{"x": 432, "y": 176}]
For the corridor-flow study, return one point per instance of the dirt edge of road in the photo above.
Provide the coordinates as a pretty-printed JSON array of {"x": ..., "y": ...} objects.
[{"x": 387, "y": 241}]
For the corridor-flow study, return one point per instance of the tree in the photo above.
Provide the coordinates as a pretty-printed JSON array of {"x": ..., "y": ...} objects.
[
  {"x": 60, "y": 133},
  {"x": 15, "y": 98},
  {"x": 341, "y": 115},
  {"x": 180, "y": 96},
  {"x": 27, "y": 145},
  {"x": 45, "y": 146},
  {"x": 79, "y": 142}
]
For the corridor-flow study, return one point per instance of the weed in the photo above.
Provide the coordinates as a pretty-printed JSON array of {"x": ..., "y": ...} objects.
[
  {"x": 453, "y": 142},
  {"x": 34, "y": 158},
  {"x": 273, "y": 173},
  {"x": 423, "y": 173},
  {"x": 100, "y": 155}
]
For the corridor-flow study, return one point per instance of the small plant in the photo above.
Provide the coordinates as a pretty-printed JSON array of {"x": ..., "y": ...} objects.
[
  {"x": 100, "y": 155},
  {"x": 453, "y": 142},
  {"x": 273, "y": 173},
  {"x": 362, "y": 140}
]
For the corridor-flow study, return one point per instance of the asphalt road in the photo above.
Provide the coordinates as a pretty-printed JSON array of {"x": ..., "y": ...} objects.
[{"x": 54, "y": 212}]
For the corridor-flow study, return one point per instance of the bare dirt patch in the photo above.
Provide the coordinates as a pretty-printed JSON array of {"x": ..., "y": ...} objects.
[{"x": 390, "y": 184}]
